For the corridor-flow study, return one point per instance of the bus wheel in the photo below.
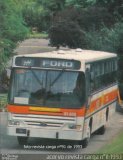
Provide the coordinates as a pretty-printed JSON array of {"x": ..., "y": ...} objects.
[
  {"x": 22, "y": 140},
  {"x": 86, "y": 140},
  {"x": 101, "y": 130}
]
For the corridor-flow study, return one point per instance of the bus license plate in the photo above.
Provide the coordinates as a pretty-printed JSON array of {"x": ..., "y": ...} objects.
[{"x": 21, "y": 130}]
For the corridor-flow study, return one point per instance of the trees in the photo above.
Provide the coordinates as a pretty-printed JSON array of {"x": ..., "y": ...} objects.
[
  {"x": 80, "y": 3},
  {"x": 67, "y": 33},
  {"x": 40, "y": 13},
  {"x": 34, "y": 15},
  {"x": 96, "y": 19},
  {"x": 72, "y": 23},
  {"x": 106, "y": 39},
  {"x": 85, "y": 20},
  {"x": 12, "y": 30},
  {"x": 113, "y": 6}
]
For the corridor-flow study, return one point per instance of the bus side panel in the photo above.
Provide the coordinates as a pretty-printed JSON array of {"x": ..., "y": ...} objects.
[{"x": 101, "y": 109}]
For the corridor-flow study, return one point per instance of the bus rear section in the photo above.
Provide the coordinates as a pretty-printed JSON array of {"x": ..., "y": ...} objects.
[{"x": 51, "y": 96}]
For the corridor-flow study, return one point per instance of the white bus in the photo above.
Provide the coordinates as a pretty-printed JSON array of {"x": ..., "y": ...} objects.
[{"x": 64, "y": 95}]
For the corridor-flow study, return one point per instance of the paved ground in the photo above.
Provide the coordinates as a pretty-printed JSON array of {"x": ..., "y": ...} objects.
[
  {"x": 30, "y": 46},
  {"x": 10, "y": 145}
]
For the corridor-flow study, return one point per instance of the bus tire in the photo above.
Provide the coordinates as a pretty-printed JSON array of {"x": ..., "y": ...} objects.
[
  {"x": 22, "y": 140},
  {"x": 101, "y": 130},
  {"x": 85, "y": 142},
  {"x": 119, "y": 108}
]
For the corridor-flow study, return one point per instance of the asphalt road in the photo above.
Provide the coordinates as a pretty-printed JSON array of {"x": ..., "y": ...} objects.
[
  {"x": 31, "y": 46},
  {"x": 9, "y": 144}
]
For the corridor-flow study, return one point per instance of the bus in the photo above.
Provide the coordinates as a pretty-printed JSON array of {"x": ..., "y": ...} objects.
[{"x": 63, "y": 94}]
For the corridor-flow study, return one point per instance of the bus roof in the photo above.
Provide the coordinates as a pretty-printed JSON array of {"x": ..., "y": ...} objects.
[{"x": 74, "y": 54}]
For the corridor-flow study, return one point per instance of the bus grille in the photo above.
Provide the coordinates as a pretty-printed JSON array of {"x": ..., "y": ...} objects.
[{"x": 44, "y": 120}]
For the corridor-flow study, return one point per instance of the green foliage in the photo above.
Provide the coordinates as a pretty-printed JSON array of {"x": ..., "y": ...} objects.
[
  {"x": 66, "y": 33},
  {"x": 115, "y": 146},
  {"x": 3, "y": 101},
  {"x": 33, "y": 15},
  {"x": 115, "y": 35},
  {"x": 89, "y": 20},
  {"x": 52, "y": 5},
  {"x": 12, "y": 29},
  {"x": 106, "y": 39},
  {"x": 94, "y": 17},
  {"x": 6, "y": 46},
  {"x": 114, "y": 6},
  {"x": 40, "y": 13},
  {"x": 80, "y": 3},
  {"x": 38, "y": 35}
]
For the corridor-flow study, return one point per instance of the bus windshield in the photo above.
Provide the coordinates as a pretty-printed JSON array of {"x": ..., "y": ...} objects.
[{"x": 47, "y": 88}]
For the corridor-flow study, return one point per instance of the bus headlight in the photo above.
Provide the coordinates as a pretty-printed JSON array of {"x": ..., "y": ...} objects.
[
  {"x": 74, "y": 126},
  {"x": 11, "y": 122}
]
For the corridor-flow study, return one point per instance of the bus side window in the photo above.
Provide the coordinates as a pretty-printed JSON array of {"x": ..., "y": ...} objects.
[
  {"x": 92, "y": 79},
  {"x": 103, "y": 73}
]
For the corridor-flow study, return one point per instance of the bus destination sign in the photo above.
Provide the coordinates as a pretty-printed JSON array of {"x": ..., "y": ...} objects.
[
  {"x": 47, "y": 63},
  {"x": 57, "y": 64}
]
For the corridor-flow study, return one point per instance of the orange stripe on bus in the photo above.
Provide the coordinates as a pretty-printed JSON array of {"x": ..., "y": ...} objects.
[
  {"x": 18, "y": 109},
  {"x": 102, "y": 101},
  {"x": 79, "y": 112},
  {"x": 49, "y": 111},
  {"x": 110, "y": 97}
]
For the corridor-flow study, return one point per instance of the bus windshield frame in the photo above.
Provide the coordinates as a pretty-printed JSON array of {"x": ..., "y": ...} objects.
[{"x": 47, "y": 88}]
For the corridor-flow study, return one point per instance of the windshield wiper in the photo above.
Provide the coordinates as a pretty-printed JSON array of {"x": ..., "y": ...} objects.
[{"x": 59, "y": 75}]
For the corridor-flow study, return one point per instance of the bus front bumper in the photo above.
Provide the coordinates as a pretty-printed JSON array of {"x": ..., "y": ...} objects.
[{"x": 71, "y": 134}]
